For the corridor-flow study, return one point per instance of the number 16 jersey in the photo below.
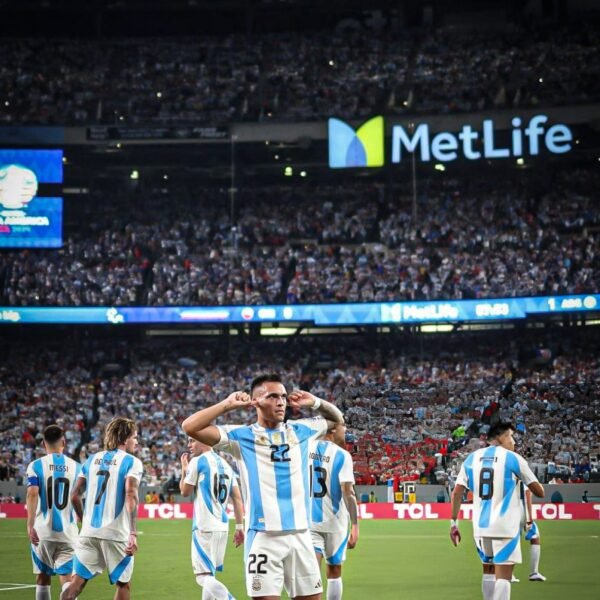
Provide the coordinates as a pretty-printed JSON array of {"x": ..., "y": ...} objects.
[
  {"x": 492, "y": 474},
  {"x": 104, "y": 516},
  {"x": 213, "y": 479}
]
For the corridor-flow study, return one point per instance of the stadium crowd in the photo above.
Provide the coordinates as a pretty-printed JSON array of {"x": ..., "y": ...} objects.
[
  {"x": 408, "y": 415},
  {"x": 292, "y": 76},
  {"x": 471, "y": 239}
]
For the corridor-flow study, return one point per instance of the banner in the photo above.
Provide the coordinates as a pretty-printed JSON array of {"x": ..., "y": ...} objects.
[
  {"x": 381, "y": 510},
  {"x": 367, "y": 313},
  {"x": 157, "y": 133}
]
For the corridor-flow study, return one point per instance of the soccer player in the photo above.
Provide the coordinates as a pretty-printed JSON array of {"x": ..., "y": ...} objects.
[
  {"x": 492, "y": 474},
  {"x": 334, "y": 507},
  {"x": 108, "y": 537},
  {"x": 272, "y": 456},
  {"x": 51, "y": 524},
  {"x": 212, "y": 482},
  {"x": 532, "y": 535}
]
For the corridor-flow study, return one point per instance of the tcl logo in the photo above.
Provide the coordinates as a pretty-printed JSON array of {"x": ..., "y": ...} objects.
[{"x": 165, "y": 511}]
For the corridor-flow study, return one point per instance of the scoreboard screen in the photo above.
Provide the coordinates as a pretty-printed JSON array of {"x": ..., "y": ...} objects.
[{"x": 31, "y": 203}]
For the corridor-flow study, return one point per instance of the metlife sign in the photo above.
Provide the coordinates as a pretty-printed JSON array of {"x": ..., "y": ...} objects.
[{"x": 527, "y": 138}]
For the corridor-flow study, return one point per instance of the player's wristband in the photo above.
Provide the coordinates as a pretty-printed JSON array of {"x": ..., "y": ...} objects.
[
  {"x": 453, "y": 522},
  {"x": 317, "y": 404},
  {"x": 239, "y": 527}
]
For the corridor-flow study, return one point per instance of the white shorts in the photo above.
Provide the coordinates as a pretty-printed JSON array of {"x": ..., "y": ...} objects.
[
  {"x": 331, "y": 544},
  {"x": 93, "y": 555},
  {"x": 52, "y": 558},
  {"x": 208, "y": 551},
  {"x": 499, "y": 551},
  {"x": 281, "y": 559}
]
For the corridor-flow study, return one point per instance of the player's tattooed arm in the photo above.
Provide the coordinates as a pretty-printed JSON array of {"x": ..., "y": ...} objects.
[
  {"x": 199, "y": 425},
  {"x": 33, "y": 494},
  {"x": 77, "y": 497},
  {"x": 301, "y": 398},
  {"x": 131, "y": 505},
  {"x": 349, "y": 496}
]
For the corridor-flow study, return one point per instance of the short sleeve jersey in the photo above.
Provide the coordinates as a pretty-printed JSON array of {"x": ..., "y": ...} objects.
[
  {"x": 213, "y": 480},
  {"x": 493, "y": 474},
  {"x": 105, "y": 472},
  {"x": 55, "y": 476},
  {"x": 274, "y": 471},
  {"x": 330, "y": 467}
]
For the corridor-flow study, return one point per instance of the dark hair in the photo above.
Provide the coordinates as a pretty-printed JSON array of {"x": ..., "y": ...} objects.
[
  {"x": 269, "y": 378},
  {"x": 52, "y": 434},
  {"x": 498, "y": 429},
  {"x": 117, "y": 432}
]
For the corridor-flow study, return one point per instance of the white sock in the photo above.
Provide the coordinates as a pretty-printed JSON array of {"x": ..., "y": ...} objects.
[
  {"x": 65, "y": 586},
  {"x": 211, "y": 588},
  {"x": 334, "y": 589},
  {"x": 502, "y": 589},
  {"x": 536, "y": 550},
  {"x": 43, "y": 592},
  {"x": 487, "y": 586}
]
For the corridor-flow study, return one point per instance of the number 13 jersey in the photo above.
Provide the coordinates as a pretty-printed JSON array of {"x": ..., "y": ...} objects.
[
  {"x": 492, "y": 474},
  {"x": 330, "y": 467},
  {"x": 274, "y": 471},
  {"x": 105, "y": 472}
]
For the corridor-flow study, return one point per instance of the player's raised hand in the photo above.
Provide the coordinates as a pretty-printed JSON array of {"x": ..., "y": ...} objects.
[
  {"x": 185, "y": 461},
  {"x": 300, "y": 398},
  {"x": 455, "y": 535},
  {"x": 237, "y": 400}
]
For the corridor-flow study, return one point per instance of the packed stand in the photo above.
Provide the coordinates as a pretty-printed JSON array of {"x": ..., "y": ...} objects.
[
  {"x": 471, "y": 239},
  {"x": 294, "y": 77},
  {"x": 409, "y": 418}
]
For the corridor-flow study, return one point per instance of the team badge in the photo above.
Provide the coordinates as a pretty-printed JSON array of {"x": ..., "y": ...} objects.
[{"x": 256, "y": 584}]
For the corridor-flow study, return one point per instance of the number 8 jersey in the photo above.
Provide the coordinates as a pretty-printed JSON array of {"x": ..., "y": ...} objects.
[
  {"x": 492, "y": 474},
  {"x": 213, "y": 479},
  {"x": 105, "y": 474},
  {"x": 55, "y": 475}
]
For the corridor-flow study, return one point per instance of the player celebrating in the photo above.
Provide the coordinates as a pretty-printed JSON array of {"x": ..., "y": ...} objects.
[
  {"x": 492, "y": 474},
  {"x": 272, "y": 457},
  {"x": 108, "y": 537},
  {"x": 51, "y": 525},
  {"x": 332, "y": 480},
  {"x": 212, "y": 481}
]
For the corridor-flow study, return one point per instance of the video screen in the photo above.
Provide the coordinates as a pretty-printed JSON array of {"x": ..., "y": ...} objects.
[{"x": 31, "y": 204}]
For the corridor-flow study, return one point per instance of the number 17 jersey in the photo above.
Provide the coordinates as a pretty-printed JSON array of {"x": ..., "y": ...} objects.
[
  {"x": 104, "y": 516},
  {"x": 492, "y": 474}
]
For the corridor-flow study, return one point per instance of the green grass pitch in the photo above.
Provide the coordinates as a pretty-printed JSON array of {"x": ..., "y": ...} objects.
[{"x": 394, "y": 560}]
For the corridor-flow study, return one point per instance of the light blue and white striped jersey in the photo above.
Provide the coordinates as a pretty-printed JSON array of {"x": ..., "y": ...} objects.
[
  {"x": 330, "y": 466},
  {"x": 274, "y": 471},
  {"x": 105, "y": 472},
  {"x": 55, "y": 476},
  {"x": 492, "y": 474},
  {"x": 213, "y": 479}
]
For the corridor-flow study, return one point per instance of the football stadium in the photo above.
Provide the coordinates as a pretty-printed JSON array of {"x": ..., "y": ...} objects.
[{"x": 300, "y": 299}]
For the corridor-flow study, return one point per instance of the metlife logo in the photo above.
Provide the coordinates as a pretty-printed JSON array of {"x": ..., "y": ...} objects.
[{"x": 526, "y": 138}]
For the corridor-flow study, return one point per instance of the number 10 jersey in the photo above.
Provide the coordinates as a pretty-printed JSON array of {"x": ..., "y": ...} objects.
[
  {"x": 55, "y": 476},
  {"x": 104, "y": 516},
  {"x": 492, "y": 474}
]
